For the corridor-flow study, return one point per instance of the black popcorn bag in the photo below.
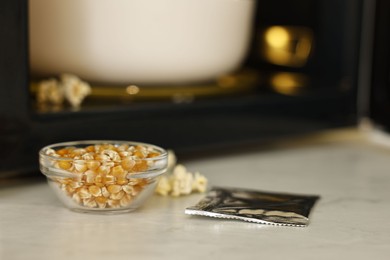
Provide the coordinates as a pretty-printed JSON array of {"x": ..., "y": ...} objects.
[{"x": 271, "y": 208}]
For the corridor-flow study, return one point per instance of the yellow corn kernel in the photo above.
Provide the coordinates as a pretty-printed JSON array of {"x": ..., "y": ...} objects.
[
  {"x": 69, "y": 189},
  {"x": 128, "y": 163},
  {"x": 97, "y": 148},
  {"x": 98, "y": 179},
  {"x": 122, "y": 147},
  {"x": 135, "y": 181},
  {"x": 90, "y": 203},
  {"x": 138, "y": 181},
  {"x": 114, "y": 188},
  {"x": 102, "y": 157},
  {"x": 87, "y": 156},
  {"x": 107, "y": 147},
  {"x": 65, "y": 165},
  {"x": 122, "y": 181},
  {"x": 90, "y": 149},
  {"x": 128, "y": 189},
  {"x": 75, "y": 184},
  {"x": 77, "y": 152},
  {"x": 101, "y": 202},
  {"x": 113, "y": 203},
  {"x": 124, "y": 154},
  {"x": 63, "y": 151},
  {"x": 80, "y": 166},
  {"x": 153, "y": 154},
  {"x": 90, "y": 176},
  {"x": 140, "y": 166},
  {"x": 125, "y": 200},
  {"x": 139, "y": 154},
  {"x": 93, "y": 164},
  {"x": 84, "y": 193},
  {"x": 64, "y": 180},
  {"x": 95, "y": 191},
  {"x": 118, "y": 171},
  {"x": 104, "y": 169},
  {"x": 118, "y": 195},
  {"x": 109, "y": 179},
  {"x": 136, "y": 190},
  {"x": 113, "y": 155},
  {"x": 105, "y": 192}
]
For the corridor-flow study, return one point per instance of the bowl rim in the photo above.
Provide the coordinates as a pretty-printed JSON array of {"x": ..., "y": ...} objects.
[{"x": 64, "y": 173}]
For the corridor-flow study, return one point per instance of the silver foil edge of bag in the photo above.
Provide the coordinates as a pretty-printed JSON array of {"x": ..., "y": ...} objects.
[{"x": 283, "y": 209}]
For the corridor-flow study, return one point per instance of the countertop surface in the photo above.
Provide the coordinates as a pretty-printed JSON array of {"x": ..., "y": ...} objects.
[{"x": 350, "y": 221}]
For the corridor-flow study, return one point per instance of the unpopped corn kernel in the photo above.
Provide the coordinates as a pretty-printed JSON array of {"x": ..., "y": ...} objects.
[
  {"x": 136, "y": 190},
  {"x": 95, "y": 190},
  {"x": 104, "y": 169},
  {"x": 128, "y": 163},
  {"x": 87, "y": 156},
  {"x": 69, "y": 189},
  {"x": 101, "y": 202},
  {"x": 122, "y": 181},
  {"x": 114, "y": 188},
  {"x": 65, "y": 165},
  {"x": 122, "y": 147},
  {"x": 125, "y": 200},
  {"x": 75, "y": 184},
  {"x": 140, "y": 166},
  {"x": 113, "y": 203},
  {"x": 118, "y": 172},
  {"x": 80, "y": 166},
  {"x": 109, "y": 179},
  {"x": 102, "y": 157},
  {"x": 113, "y": 155},
  {"x": 117, "y": 196},
  {"x": 128, "y": 189},
  {"x": 90, "y": 176},
  {"x": 93, "y": 164},
  {"x": 105, "y": 192},
  {"x": 90, "y": 203},
  {"x": 84, "y": 193}
]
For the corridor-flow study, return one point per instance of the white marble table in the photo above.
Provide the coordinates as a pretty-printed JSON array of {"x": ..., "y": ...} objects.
[{"x": 350, "y": 221}]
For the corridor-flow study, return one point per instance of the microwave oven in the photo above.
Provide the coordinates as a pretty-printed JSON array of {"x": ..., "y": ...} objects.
[{"x": 334, "y": 69}]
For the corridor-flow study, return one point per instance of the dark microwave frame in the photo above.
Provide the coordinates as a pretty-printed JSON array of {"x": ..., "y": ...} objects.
[{"x": 207, "y": 125}]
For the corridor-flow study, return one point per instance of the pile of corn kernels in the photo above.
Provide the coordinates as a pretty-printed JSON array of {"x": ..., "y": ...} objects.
[{"x": 103, "y": 173}]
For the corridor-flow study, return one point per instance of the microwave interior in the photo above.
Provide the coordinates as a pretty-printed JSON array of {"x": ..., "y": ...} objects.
[{"x": 299, "y": 75}]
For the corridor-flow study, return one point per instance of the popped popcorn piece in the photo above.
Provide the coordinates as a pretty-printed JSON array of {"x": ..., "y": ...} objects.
[
  {"x": 181, "y": 182},
  {"x": 70, "y": 87},
  {"x": 171, "y": 160},
  {"x": 75, "y": 89},
  {"x": 50, "y": 91},
  {"x": 163, "y": 186},
  {"x": 200, "y": 183}
]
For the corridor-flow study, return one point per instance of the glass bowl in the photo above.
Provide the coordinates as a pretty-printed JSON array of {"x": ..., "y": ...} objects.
[{"x": 103, "y": 176}]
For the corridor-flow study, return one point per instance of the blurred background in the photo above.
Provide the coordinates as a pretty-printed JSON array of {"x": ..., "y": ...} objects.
[{"x": 193, "y": 76}]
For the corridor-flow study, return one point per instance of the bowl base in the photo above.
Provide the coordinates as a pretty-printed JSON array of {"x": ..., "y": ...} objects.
[{"x": 103, "y": 212}]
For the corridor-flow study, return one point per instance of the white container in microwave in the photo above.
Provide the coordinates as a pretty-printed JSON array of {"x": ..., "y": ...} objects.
[{"x": 139, "y": 41}]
